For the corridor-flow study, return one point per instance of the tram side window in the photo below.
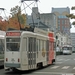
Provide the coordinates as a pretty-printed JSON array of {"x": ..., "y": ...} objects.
[
  {"x": 38, "y": 44},
  {"x": 44, "y": 45},
  {"x": 41, "y": 45},
  {"x": 13, "y": 44},
  {"x": 2, "y": 46},
  {"x": 70, "y": 48},
  {"x": 24, "y": 44},
  {"x": 32, "y": 44},
  {"x": 47, "y": 45}
]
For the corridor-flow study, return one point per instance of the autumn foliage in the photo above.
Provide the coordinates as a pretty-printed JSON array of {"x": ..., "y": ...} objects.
[
  {"x": 16, "y": 21},
  {"x": 13, "y": 22},
  {"x": 3, "y": 25}
]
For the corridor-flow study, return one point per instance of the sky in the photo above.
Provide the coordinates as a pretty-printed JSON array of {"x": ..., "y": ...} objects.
[{"x": 44, "y": 6}]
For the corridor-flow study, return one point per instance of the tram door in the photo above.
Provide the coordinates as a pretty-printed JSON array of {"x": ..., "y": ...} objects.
[
  {"x": 32, "y": 53},
  {"x": 24, "y": 57},
  {"x": 47, "y": 48}
]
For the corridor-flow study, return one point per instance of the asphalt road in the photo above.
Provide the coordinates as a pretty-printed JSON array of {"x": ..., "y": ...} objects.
[{"x": 65, "y": 65}]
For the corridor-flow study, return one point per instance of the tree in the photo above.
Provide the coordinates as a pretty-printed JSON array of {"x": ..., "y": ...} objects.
[
  {"x": 3, "y": 25},
  {"x": 15, "y": 10},
  {"x": 17, "y": 20},
  {"x": 72, "y": 16}
]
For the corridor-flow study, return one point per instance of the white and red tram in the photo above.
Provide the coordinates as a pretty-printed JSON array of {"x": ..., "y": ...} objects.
[{"x": 25, "y": 50}]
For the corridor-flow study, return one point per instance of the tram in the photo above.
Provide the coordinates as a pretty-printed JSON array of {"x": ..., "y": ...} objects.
[
  {"x": 67, "y": 49},
  {"x": 26, "y": 50},
  {"x": 2, "y": 47}
]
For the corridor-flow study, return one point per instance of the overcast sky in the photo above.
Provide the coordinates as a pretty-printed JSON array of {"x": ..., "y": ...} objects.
[{"x": 44, "y": 6}]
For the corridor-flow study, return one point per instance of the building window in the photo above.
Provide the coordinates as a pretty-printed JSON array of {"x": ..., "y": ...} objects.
[{"x": 58, "y": 22}]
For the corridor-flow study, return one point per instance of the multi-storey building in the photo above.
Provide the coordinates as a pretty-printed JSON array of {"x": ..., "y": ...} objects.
[
  {"x": 63, "y": 22},
  {"x": 45, "y": 21},
  {"x": 50, "y": 20},
  {"x": 34, "y": 19},
  {"x": 73, "y": 40}
]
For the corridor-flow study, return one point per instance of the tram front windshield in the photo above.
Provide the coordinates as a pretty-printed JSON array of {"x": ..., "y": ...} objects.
[
  {"x": 67, "y": 48},
  {"x": 12, "y": 44}
]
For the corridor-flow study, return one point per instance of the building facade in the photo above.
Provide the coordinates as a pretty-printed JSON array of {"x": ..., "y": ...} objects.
[
  {"x": 50, "y": 20},
  {"x": 63, "y": 22},
  {"x": 46, "y": 21},
  {"x": 73, "y": 41}
]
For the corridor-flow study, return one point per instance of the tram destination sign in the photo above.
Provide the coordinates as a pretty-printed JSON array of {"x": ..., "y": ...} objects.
[{"x": 13, "y": 34}]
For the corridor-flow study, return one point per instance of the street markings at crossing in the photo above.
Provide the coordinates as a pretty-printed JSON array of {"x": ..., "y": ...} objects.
[
  {"x": 65, "y": 67},
  {"x": 59, "y": 62},
  {"x": 67, "y": 59},
  {"x": 54, "y": 67},
  {"x": 59, "y": 59},
  {"x": 54, "y": 73},
  {"x": 63, "y": 59},
  {"x": 74, "y": 68}
]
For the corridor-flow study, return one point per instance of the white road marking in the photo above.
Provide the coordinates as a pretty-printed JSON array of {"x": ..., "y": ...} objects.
[
  {"x": 55, "y": 73},
  {"x": 74, "y": 68},
  {"x": 67, "y": 74},
  {"x": 59, "y": 62},
  {"x": 59, "y": 59},
  {"x": 67, "y": 59},
  {"x": 63, "y": 59},
  {"x": 54, "y": 67},
  {"x": 65, "y": 67}
]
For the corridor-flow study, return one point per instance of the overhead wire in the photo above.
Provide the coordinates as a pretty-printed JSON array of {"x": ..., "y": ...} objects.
[
  {"x": 27, "y": 6},
  {"x": 30, "y": 9}
]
